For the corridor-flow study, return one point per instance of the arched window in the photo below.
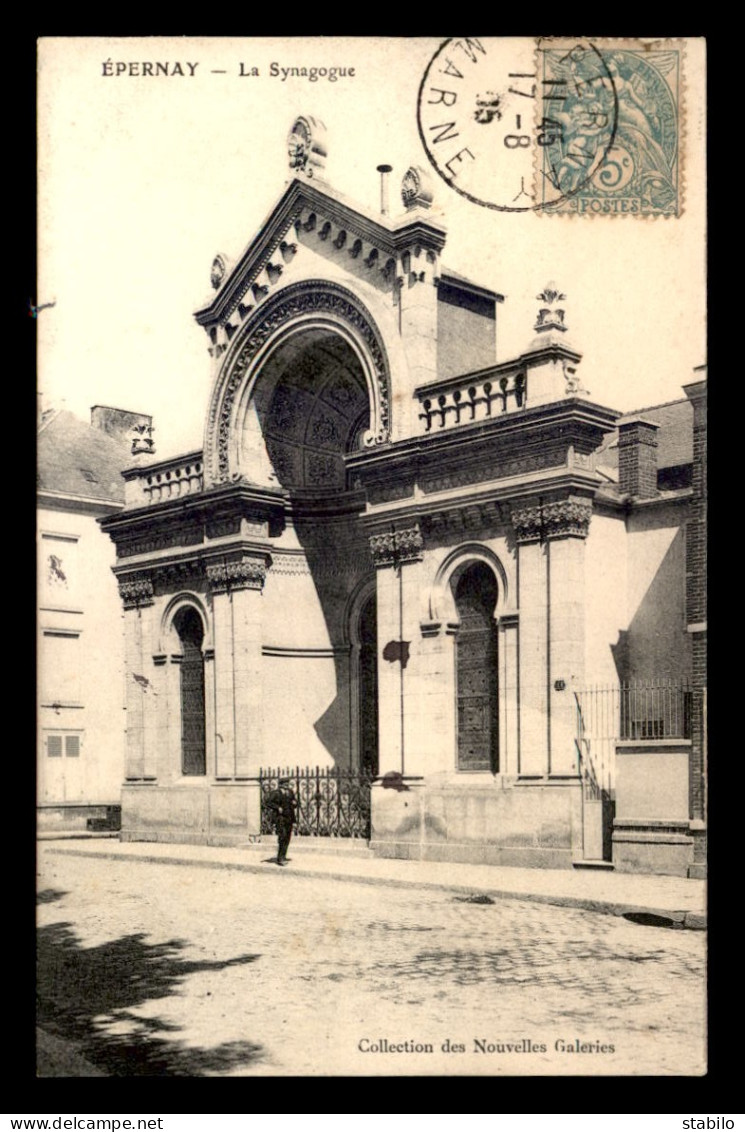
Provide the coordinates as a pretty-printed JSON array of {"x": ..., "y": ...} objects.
[
  {"x": 476, "y": 670},
  {"x": 188, "y": 625}
]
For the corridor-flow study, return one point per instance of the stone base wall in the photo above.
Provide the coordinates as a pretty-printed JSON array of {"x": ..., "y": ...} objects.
[
  {"x": 207, "y": 813},
  {"x": 496, "y": 821},
  {"x": 663, "y": 848},
  {"x": 82, "y": 817}
]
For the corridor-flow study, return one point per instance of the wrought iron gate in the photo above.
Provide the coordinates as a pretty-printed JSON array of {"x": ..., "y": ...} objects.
[{"x": 330, "y": 803}]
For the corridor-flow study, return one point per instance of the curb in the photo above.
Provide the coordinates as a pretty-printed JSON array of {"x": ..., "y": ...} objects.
[{"x": 677, "y": 918}]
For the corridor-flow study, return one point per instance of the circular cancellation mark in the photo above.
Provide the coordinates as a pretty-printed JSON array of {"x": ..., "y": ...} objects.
[{"x": 517, "y": 124}]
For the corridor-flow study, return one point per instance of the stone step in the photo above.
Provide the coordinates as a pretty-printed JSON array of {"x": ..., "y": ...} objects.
[{"x": 593, "y": 864}]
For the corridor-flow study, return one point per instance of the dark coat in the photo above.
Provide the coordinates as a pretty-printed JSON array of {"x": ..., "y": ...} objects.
[{"x": 282, "y": 806}]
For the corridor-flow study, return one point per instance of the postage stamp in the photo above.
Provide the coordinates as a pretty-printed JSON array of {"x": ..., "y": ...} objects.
[
  {"x": 630, "y": 116},
  {"x": 493, "y": 127}
]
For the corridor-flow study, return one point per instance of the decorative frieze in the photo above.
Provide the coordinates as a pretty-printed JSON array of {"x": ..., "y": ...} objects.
[
  {"x": 242, "y": 574},
  {"x": 392, "y": 548},
  {"x": 560, "y": 518},
  {"x": 504, "y": 467},
  {"x": 136, "y": 590},
  {"x": 162, "y": 540}
]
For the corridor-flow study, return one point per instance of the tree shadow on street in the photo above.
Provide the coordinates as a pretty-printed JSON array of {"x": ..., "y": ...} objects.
[
  {"x": 85, "y": 994},
  {"x": 49, "y": 895}
]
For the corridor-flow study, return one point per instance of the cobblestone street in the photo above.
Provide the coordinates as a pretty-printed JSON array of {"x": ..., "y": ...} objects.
[{"x": 158, "y": 969}]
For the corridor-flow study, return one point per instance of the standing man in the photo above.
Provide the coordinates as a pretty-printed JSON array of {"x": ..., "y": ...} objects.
[{"x": 283, "y": 809}]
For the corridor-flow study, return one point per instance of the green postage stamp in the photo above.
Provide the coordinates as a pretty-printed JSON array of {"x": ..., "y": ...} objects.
[{"x": 611, "y": 128}]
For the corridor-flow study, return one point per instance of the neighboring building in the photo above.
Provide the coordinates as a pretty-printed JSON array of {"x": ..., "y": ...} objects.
[
  {"x": 396, "y": 556},
  {"x": 81, "y": 699}
]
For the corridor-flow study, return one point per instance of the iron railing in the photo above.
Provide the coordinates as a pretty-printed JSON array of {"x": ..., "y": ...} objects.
[
  {"x": 638, "y": 710},
  {"x": 330, "y": 802}
]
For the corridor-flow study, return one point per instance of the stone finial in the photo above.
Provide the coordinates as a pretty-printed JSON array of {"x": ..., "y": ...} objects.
[
  {"x": 142, "y": 440},
  {"x": 218, "y": 272},
  {"x": 306, "y": 146},
  {"x": 550, "y": 316},
  {"x": 416, "y": 188}
]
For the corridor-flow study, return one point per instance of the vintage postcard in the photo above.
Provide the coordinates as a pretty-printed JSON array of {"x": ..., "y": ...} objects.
[{"x": 371, "y": 506}]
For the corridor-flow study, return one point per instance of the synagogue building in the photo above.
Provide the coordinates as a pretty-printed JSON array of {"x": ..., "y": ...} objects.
[{"x": 461, "y": 601}]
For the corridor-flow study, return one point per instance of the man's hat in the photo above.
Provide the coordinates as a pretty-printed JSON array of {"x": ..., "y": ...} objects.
[{"x": 284, "y": 781}]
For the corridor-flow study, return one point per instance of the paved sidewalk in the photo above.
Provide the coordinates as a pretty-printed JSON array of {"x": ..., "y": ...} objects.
[{"x": 675, "y": 899}]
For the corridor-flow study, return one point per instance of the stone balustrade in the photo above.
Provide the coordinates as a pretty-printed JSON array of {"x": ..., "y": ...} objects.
[
  {"x": 170, "y": 479},
  {"x": 473, "y": 397}
]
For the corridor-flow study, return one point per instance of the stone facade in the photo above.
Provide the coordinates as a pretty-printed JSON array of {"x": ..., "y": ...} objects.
[{"x": 382, "y": 560}]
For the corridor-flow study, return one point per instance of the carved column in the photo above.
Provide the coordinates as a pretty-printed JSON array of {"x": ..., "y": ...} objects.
[
  {"x": 566, "y": 524},
  {"x": 532, "y": 580},
  {"x": 236, "y": 588},
  {"x": 396, "y": 555},
  {"x": 136, "y": 592}
]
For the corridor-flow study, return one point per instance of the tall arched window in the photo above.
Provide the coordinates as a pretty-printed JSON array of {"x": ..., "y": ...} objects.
[
  {"x": 476, "y": 670},
  {"x": 188, "y": 625}
]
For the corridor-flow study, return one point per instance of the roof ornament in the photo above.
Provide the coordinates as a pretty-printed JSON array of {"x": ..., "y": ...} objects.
[
  {"x": 142, "y": 440},
  {"x": 550, "y": 317},
  {"x": 416, "y": 188},
  {"x": 218, "y": 272},
  {"x": 306, "y": 146}
]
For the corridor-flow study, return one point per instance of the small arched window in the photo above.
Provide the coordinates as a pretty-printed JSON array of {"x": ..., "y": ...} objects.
[{"x": 188, "y": 625}]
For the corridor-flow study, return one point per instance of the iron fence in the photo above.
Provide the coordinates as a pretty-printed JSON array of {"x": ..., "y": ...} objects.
[
  {"x": 641, "y": 710},
  {"x": 330, "y": 802}
]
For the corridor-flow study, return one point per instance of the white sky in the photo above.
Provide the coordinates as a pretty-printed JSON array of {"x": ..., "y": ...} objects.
[{"x": 144, "y": 179}]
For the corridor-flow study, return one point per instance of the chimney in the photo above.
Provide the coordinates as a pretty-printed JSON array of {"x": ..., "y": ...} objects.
[{"x": 637, "y": 457}]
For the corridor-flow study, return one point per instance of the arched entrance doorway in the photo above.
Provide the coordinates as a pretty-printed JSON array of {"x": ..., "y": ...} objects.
[
  {"x": 188, "y": 625},
  {"x": 475, "y": 592},
  {"x": 368, "y": 687},
  {"x": 309, "y": 406}
]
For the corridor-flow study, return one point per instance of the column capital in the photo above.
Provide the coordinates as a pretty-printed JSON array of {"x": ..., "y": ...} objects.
[
  {"x": 136, "y": 590},
  {"x": 246, "y": 573},
  {"x": 550, "y": 519},
  {"x": 393, "y": 548}
]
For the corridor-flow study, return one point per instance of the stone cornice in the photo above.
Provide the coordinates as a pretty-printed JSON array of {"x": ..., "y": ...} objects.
[
  {"x": 390, "y": 237},
  {"x": 574, "y": 415},
  {"x": 237, "y": 497}
]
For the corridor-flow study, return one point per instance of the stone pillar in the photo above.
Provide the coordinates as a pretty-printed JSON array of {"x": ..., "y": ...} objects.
[
  {"x": 434, "y": 743},
  {"x": 508, "y": 689},
  {"x": 418, "y": 322},
  {"x": 565, "y": 525},
  {"x": 171, "y": 754},
  {"x": 397, "y": 556},
  {"x": 532, "y": 581},
  {"x": 236, "y": 587},
  {"x": 136, "y": 592},
  {"x": 209, "y": 710}
]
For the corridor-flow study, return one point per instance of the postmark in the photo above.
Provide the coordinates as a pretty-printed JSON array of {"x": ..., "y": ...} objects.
[
  {"x": 640, "y": 171},
  {"x": 490, "y": 119}
]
